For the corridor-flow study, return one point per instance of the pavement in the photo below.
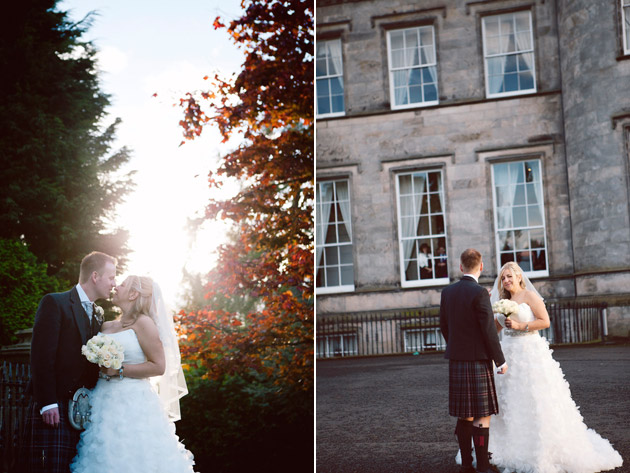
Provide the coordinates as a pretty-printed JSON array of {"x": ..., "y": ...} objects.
[{"x": 390, "y": 414}]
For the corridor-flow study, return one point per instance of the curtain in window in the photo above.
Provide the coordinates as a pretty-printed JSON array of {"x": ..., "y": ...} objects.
[
  {"x": 410, "y": 225},
  {"x": 325, "y": 203},
  {"x": 343, "y": 199},
  {"x": 334, "y": 54},
  {"x": 496, "y": 66},
  {"x": 523, "y": 43}
]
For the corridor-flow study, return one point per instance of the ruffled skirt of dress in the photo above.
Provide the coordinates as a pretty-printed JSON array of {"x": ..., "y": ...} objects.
[
  {"x": 539, "y": 428},
  {"x": 129, "y": 432}
]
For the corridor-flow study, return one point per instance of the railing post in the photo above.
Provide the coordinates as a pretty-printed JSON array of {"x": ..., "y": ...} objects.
[{"x": 604, "y": 318}]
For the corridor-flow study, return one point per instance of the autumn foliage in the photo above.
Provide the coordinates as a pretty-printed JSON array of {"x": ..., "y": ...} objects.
[{"x": 259, "y": 317}]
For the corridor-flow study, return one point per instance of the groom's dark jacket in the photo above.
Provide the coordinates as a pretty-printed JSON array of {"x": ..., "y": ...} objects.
[
  {"x": 467, "y": 323},
  {"x": 58, "y": 368}
]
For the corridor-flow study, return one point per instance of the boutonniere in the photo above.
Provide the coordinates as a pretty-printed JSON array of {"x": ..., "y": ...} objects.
[{"x": 99, "y": 313}]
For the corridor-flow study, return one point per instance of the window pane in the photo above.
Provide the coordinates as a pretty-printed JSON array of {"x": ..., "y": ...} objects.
[
  {"x": 434, "y": 181},
  {"x": 506, "y": 240},
  {"x": 504, "y": 217},
  {"x": 533, "y": 171},
  {"x": 347, "y": 275},
  {"x": 337, "y": 103},
  {"x": 535, "y": 216},
  {"x": 398, "y": 58},
  {"x": 396, "y": 39},
  {"x": 519, "y": 194},
  {"x": 537, "y": 238},
  {"x": 332, "y": 276},
  {"x": 532, "y": 197},
  {"x": 321, "y": 68},
  {"x": 345, "y": 253},
  {"x": 342, "y": 231},
  {"x": 405, "y": 184},
  {"x": 437, "y": 224},
  {"x": 426, "y": 36},
  {"x": 320, "y": 278},
  {"x": 526, "y": 80},
  {"x": 500, "y": 174},
  {"x": 436, "y": 204},
  {"x": 504, "y": 196},
  {"x": 521, "y": 239},
  {"x": 411, "y": 38},
  {"x": 419, "y": 183},
  {"x": 336, "y": 86},
  {"x": 408, "y": 226},
  {"x": 406, "y": 205},
  {"x": 522, "y": 21},
  {"x": 506, "y": 257},
  {"x": 516, "y": 173},
  {"x": 492, "y": 25},
  {"x": 430, "y": 93},
  {"x": 492, "y": 45},
  {"x": 423, "y": 227},
  {"x": 415, "y": 94},
  {"x": 332, "y": 257},
  {"x": 519, "y": 216}
]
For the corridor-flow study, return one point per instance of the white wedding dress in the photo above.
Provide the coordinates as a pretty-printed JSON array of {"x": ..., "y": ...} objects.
[
  {"x": 129, "y": 429},
  {"x": 539, "y": 428}
]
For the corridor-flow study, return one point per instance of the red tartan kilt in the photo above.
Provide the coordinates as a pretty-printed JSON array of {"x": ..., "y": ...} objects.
[{"x": 471, "y": 389}]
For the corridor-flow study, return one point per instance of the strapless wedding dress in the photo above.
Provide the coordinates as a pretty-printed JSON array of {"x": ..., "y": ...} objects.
[
  {"x": 539, "y": 428},
  {"x": 129, "y": 430}
]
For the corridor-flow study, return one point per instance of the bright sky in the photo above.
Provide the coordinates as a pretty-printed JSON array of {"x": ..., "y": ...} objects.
[{"x": 163, "y": 47}]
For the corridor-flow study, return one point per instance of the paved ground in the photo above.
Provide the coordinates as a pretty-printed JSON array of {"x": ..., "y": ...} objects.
[{"x": 390, "y": 414}]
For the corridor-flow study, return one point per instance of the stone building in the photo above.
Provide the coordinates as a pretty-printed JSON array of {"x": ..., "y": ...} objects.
[{"x": 502, "y": 125}]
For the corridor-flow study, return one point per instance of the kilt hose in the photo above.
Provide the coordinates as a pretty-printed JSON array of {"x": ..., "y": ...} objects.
[
  {"x": 48, "y": 449},
  {"x": 471, "y": 390}
]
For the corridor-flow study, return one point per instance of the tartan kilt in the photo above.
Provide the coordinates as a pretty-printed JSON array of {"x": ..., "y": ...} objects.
[
  {"x": 48, "y": 449},
  {"x": 471, "y": 390}
]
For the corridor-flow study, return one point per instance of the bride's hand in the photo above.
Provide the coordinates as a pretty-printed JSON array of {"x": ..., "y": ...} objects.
[
  {"x": 109, "y": 371},
  {"x": 513, "y": 324}
]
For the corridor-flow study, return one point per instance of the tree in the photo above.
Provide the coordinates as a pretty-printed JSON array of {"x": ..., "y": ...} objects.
[
  {"x": 257, "y": 327},
  {"x": 23, "y": 281},
  {"x": 273, "y": 257},
  {"x": 58, "y": 185}
]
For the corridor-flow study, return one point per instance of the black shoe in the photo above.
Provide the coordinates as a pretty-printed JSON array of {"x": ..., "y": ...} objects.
[{"x": 467, "y": 469}]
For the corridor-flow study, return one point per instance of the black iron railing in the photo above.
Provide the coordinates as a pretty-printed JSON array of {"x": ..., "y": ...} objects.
[
  {"x": 416, "y": 331},
  {"x": 13, "y": 408}
]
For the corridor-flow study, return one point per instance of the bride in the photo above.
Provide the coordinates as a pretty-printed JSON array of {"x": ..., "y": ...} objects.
[
  {"x": 131, "y": 426},
  {"x": 539, "y": 428}
]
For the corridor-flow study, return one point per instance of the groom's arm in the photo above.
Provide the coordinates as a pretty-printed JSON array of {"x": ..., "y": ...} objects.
[
  {"x": 485, "y": 318},
  {"x": 44, "y": 351}
]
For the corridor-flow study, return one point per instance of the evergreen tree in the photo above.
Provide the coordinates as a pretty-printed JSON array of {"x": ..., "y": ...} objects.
[{"x": 58, "y": 186}]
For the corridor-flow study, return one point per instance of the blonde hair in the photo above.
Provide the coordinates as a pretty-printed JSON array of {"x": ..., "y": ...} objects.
[
  {"x": 515, "y": 269},
  {"x": 142, "y": 305},
  {"x": 95, "y": 261}
]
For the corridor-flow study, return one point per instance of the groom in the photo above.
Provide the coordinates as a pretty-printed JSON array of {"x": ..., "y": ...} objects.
[
  {"x": 63, "y": 323},
  {"x": 472, "y": 344}
]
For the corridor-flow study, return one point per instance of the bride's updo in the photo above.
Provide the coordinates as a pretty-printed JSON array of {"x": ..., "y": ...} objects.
[
  {"x": 143, "y": 285},
  {"x": 515, "y": 269}
]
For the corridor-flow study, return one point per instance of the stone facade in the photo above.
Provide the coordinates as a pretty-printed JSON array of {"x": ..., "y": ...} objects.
[{"x": 575, "y": 123}]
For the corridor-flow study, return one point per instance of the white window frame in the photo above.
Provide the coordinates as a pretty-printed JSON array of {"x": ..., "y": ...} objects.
[
  {"x": 530, "y": 273},
  {"x": 392, "y": 70},
  {"x": 401, "y": 251},
  {"x": 625, "y": 25},
  {"x": 343, "y": 342},
  {"x": 328, "y": 77},
  {"x": 321, "y": 235},
  {"x": 531, "y": 50}
]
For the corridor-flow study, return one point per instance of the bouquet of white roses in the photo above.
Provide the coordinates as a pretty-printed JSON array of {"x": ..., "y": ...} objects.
[
  {"x": 505, "y": 307},
  {"x": 104, "y": 351}
]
